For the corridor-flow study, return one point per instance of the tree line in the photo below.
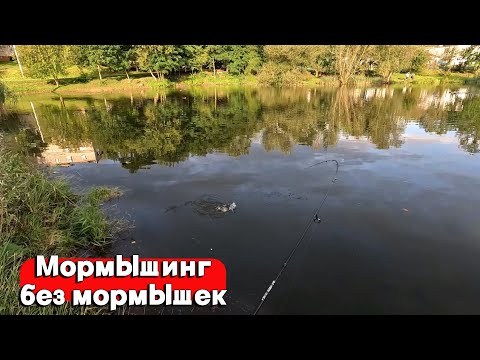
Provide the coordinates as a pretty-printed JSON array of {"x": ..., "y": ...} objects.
[
  {"x": 272, "y": 64},
  {"x": 51, "y": 61}
]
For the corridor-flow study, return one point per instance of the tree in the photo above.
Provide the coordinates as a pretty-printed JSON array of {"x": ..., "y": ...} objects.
[
  {"x": 472, "y": 57},
  {"x": 113, "y": 57},
  {"x": 282, "y": 65},
  {"x": 283, "y": 54},
  {"x": 125, "y": 60},
  {"x": 447, "y": 59},
  {"x": 236, "y": 59},
  {"x": 44, "y": 61},
  {"x": 319, "y": 58},
  {"x": 348, "y": 60},
  {"x": 144, "y": 53},
  {"x": 420, "y": 59},
  {"x": 198, "y": 57},
  {"x": 255, "y": 58},
  {"x": 392, "y": 58},
  {"x": 163, "y": 59},
  {"x": 77, "y": 55},
  {"x": 239, "y": 59},
  {"x": 215, "y": 53},
  {"x": 209, "y": 56}
]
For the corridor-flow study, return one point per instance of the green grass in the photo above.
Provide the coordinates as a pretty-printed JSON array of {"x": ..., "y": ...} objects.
[
  {"x": 86, "y": 81},
  {"x": 41, "y": 215},
  {"x": 11, "y": 75},
  {"x": 221, "y": 78},
  {"x": 10, "y": 263},
  {"x": 100, "y": 194},
  {"x": 78, "y": 80},
  {"x": 435, "y": 79},
  {"x": 332, "y": 80}
]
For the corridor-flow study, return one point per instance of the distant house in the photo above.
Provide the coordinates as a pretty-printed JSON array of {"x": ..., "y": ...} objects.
[
  {"x": 6, "y": 53},
  {"x": 438, "y": 52}
]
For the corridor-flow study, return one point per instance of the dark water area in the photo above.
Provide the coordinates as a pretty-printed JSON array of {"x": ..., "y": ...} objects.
[{"x": 400, "y": 230}]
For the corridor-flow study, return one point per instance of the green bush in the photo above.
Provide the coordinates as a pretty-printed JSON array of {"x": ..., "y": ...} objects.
[{"x": 282, "y": 75}]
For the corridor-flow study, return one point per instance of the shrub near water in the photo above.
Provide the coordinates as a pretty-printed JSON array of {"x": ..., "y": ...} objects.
[{"x": 42, "y": 216}]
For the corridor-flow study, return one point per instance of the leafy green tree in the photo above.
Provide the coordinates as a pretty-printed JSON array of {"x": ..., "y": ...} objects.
[
  {"x": 472, "y": 58},
  {"x": 44, "y": 61},
  {"x": 420, "y": 60},
  {"x": 284, "y": 55},
  {"x": 236, "y": 59},
  {"x": 240, "y": 59},
  {"x": 255, "y": 58},
  {"x": 185, "y": 54},
  {"x": 283, "y": 65},
  {"x": 113, "y": 57},
  {"x": 447, "y": 59},
  {"x": 348, "y": 59},
  {"x": 215, "y": 53},
  {"x": 319, "y": 58},
  {"x": 144, "y": 54},
  {"x": 77, "y": 55},
  {"x": 392, "y": 58},
  {"x": 198, "y": 57},
  {"x": 161, "y": 59},
  {"x": 125, "y": 60}
]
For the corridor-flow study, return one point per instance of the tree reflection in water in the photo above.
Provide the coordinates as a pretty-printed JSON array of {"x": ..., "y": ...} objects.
[{"x": 169, "y": 126}]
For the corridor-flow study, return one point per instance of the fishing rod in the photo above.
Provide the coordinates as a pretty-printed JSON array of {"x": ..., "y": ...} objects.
[{"x": 313, "y": 219}]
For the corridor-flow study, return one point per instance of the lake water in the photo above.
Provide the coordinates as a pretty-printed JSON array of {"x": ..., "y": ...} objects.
[{"x": 400, "y": 230}]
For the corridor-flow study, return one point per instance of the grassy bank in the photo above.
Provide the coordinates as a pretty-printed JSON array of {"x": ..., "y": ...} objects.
[
  {"x": 85, "y": 81},
  {"x": 437, "y": 79},
  {"x": 40, "y": 215}
]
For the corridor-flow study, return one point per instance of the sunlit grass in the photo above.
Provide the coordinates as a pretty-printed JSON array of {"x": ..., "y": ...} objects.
[
  {"x": 85, "y": 80},
  {"x": 434, "y": 79},
  {"x": 43, "y": 216},
  {"x": 10, "y": 263}
]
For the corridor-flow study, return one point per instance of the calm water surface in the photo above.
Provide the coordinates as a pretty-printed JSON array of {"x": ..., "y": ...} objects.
[{"x": 400, "y": 230}]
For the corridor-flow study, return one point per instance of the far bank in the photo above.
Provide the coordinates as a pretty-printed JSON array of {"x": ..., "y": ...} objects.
[{"x": 77, "y": 81}]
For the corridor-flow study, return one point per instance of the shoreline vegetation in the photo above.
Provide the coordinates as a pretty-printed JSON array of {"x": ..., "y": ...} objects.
[
  {"x": 103, "y": 68},
  {"x": 40, "y": 214},
  {"x": 76, "y": 81}
]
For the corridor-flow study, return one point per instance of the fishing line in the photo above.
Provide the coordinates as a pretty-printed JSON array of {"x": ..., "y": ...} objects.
[{"x": 312, "y": 219}]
